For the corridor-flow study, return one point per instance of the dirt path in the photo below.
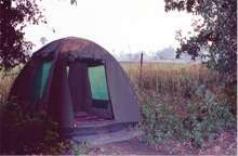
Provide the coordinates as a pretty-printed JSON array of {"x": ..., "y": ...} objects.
[{"x": 224, "y": 144}]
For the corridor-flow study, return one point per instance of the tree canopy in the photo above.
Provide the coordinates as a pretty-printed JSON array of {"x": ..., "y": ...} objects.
[
  {"x": 14, "y": 17},
  {"x": 217, "y": 32}
]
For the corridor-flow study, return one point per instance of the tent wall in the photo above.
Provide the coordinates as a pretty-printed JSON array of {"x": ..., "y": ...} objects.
[
  {"x": 122, "y": 96},
  {"x": 22, "y": 89}
]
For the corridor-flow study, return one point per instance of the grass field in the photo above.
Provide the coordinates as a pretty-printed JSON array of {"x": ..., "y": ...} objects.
[
  {"x": 176, "y": 81},
  {"x": 168, "y": 78},
  {"x": 6, "y": 80}
]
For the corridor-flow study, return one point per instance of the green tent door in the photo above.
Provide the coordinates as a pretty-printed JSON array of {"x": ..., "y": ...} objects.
[
  {"x": 98, "y": 83},
  {"x": 99, "y": 90}
]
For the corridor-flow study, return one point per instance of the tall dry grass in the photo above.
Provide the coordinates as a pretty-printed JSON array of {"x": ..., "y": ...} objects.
[
  {"x": 172, "y": 79},
  {"x": 6, "y": 80}
]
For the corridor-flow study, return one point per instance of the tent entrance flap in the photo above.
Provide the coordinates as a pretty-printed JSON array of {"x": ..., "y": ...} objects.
[
  {"x": 98, "y": 85},
  {"x": 89, "y": 89},
  {"x": 101, "y": 104}
]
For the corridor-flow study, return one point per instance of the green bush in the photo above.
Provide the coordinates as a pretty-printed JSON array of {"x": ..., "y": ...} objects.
[
  {"x": 29, "y": 133},
  {"x": 205, "y": 117}
]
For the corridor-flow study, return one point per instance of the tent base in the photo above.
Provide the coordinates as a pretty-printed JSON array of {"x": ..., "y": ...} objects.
[
  {"x": 85, "y": 125},
  {"x": 101, "y": 139}
]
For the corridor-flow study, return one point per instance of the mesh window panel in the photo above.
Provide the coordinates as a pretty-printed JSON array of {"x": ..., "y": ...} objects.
[
  {"x": 41, "y": 80},
  {"x": 45, "y": 75},
  {"x": 98, "y": 83}
]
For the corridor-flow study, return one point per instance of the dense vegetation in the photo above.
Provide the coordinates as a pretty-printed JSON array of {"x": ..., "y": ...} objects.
[
  {"x": 24, "y": 132},
  {"x": 182, "y": 102}
]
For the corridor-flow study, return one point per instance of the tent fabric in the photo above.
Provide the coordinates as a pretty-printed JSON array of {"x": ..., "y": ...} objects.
[{"x": 74, "y": 74}]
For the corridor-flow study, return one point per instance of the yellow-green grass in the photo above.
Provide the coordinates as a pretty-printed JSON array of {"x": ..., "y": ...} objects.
[
  {"x": 6, "y": 80},
  {"x": 171, "y": 78}
]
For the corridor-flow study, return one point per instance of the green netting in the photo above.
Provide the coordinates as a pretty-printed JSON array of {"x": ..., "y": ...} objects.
[
  {"x": 41, "y": 80},
  {"x": 46, "y": 70},
  {"x": 98, "y": 83}
]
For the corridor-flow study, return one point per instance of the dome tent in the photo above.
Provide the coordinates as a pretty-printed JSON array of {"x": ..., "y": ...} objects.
[{"x": 76, "y": 80}]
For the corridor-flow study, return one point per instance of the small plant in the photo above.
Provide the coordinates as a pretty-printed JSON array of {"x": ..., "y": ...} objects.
[{"x": 80, "y": 148}]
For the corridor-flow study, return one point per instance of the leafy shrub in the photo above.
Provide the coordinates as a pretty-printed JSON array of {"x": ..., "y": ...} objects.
[
  {"x": 159, "y": 123},
  {"x": 182, "y": 101},
  {"x": 29, "y": 133},
  {"x": 204, "y": 119}
]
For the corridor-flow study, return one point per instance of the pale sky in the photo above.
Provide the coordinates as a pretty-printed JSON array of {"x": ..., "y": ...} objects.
[{"x": 116, "y": 25}]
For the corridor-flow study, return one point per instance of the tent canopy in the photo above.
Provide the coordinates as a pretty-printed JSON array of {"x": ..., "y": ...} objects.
[{"x": 72, "y": 75}]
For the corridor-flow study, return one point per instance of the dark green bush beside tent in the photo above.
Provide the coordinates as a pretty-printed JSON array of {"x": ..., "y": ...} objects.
[{"x": 75, "y": 80}]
